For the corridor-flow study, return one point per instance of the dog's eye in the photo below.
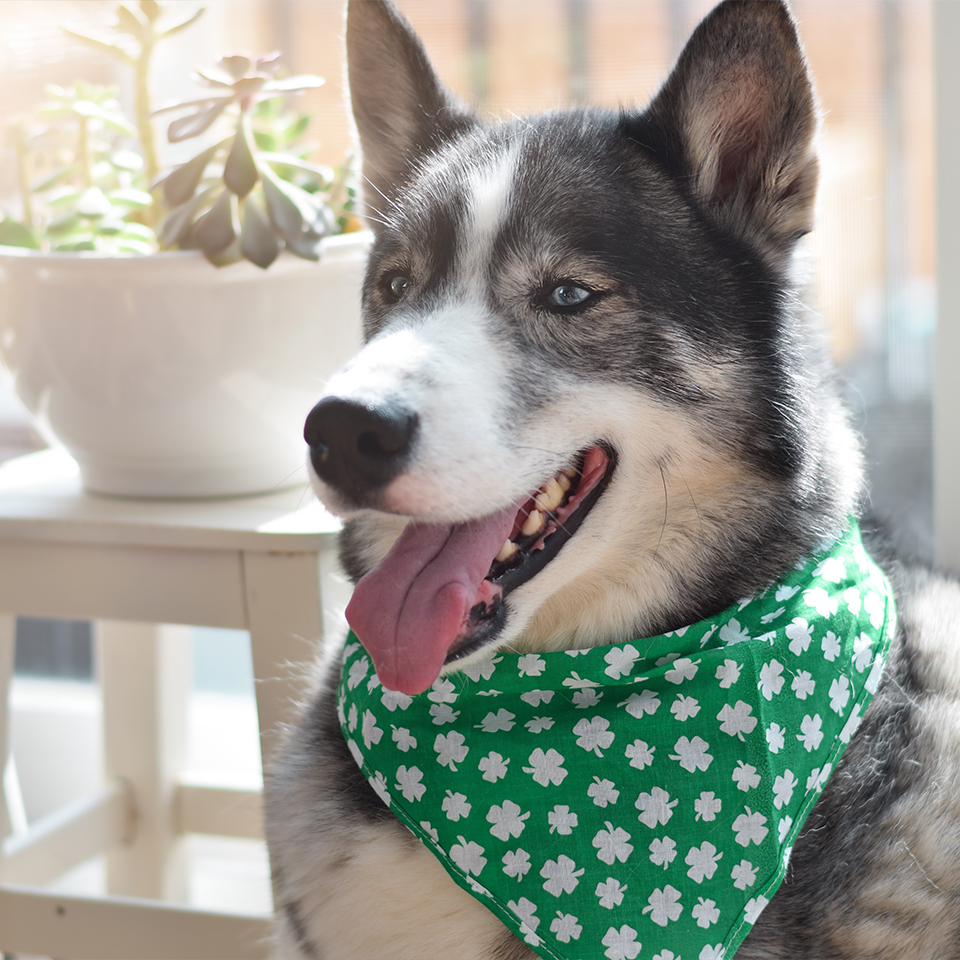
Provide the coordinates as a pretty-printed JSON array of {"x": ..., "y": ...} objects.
[
  {"x": 398, "y": 286},
  {"x": 568, "y": 295}
]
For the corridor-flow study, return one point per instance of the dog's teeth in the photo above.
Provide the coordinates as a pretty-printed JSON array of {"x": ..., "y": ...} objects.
[
  {"x": 570, "y": 472},
  {"x": 532, "y": 524},
  {"x": 507, "y": 551},
  {"x": 564, "y": 481},
  {"x": 550, "y": 495}
]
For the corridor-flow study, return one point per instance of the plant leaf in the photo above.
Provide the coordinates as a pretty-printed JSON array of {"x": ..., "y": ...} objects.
[
  {"x": 223, "y": 81},
  {"x": 175, "y": 226},
  {"x": 177, "y": 27},
  {"x": 306, "y": 247},
  {"x": 126, "y": 160},
  {"x": 183, "y": 104},
  {"x": 303, "y": 81},
  {"x": 214, "y": 231},
  {"x": 127, "y": 245},
  {"x": 236, "y": 65},
  {"x": 15, "y": 234},
  {"x": 93, "y": 204},
  {"x": 258, "y": 242},
  {"x": 150, "y": 9},
  {"x": 295, "y": 213},
  {"x": 323, "y": 174},
  {"x": 54, "y": 178},
  {"x": 195, "y": 123},
  {"x": 105, "y": 45},
  {"x": 130, "y": 197},
  {"x": 240, "y": 171},
  {"x": 130, "y": 20},
  {"x": 182, "y": 182}
]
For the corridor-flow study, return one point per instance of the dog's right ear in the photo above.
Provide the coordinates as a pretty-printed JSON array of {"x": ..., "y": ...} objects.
[{"x": 401, "y": 108}]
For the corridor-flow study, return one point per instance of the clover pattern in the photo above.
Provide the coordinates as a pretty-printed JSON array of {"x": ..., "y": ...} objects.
[{"x": 638, "y": 800}]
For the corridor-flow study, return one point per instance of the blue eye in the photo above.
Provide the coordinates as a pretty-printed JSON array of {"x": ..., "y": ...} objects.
[{"x": 568, "y": 295}]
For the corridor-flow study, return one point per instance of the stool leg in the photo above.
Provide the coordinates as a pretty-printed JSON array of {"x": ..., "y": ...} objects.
[{"x": 145, "y": 678}]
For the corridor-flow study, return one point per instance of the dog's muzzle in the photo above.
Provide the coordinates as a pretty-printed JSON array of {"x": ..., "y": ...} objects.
[{"x": 357, "y": 447}]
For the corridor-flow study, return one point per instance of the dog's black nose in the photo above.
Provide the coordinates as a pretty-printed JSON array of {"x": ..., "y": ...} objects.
[{"x": 358, "y": 447}]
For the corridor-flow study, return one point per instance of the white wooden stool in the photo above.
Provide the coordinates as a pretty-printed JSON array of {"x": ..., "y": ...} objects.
[{"x": 136, "y": 568}]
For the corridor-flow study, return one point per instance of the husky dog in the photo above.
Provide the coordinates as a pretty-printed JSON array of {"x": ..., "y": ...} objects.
[{"x": 598, "y": 309}]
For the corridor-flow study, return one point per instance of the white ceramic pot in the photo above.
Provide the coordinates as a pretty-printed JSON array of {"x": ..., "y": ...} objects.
[{"x": 166, "y": 377}]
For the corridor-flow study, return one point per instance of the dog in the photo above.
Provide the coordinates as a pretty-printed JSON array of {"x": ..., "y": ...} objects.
[{"x": 592, "y": 408}]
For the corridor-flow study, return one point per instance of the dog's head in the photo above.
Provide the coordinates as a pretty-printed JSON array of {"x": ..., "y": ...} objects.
[{"x": 580, "y": 412}]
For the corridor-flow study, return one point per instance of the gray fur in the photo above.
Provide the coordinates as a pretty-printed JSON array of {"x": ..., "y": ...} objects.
[{"x": 696, "y": 364}]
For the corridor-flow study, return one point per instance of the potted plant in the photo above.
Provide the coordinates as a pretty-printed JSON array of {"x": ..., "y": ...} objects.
[{"x": 161, "y": 374}]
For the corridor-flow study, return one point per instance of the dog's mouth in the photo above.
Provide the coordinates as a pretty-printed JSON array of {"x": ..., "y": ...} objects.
[{"x": 439, "y": 594}]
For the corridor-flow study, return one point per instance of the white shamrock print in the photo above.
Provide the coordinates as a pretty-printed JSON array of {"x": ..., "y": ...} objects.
[
  {"x": 683, "y": 669},
  {"x": 374, "y": 684},
  {"x": 732, "y": 632},
  {"x": 371, "y": 732},
  {"x": 692, "y": 754},
  {"x": 684, "y": 707},
  {"x": 507, "y": 820},
  {"x": 728, "y": 673},
  {"x": 818, "y": 778},
  {"x": 810, "y": 733},
  {"x": 803, "y": 685},
  {"x": 831, "y": 569},
  {"x": 468, "y": 856},
  {"x": 785, "y": 593},
  {"x": 562, "y": 819},
  {"x": 664, "y": 905},
  {"x": 539, "y": 724},
  {"x": 799, "y": 632},
  {"x": 546, "y": 767},
  {"x": 610, "y": 893},
  {"x": 408, "y": 782},
  {"x": 621, "y": 944},
  {"x": 586, "y": 699},
  {"x": 663, "y": 852},
  {"x": 575, "y": 681},
  {"x": 394, "y": 699},
  {"x": 830, "y": 646},
  {"x": 442, "y": 691},
  {"x": 403, "y": 738},
  {"x": 771, "y": 679},
  {"x": 853, "y": 600},
  {"x": 594, "y": 734},
  {"x": 746, "y": 776},
  {"x": 494, "y": 722},
  {"x": 744, "y": 875},
  {"x": 775, "y": 737},
  {"x": 715, "y": 952},
  {"x": 707, "y": 805},
  {"x": 525, "y": 911},
  {"x": 873, "y": 680},
  {"x": 432, "y": 831},
  {"x": 358, "y": 670},
  {"x": 839, "y": 694},
  {"x": 861, "y": 652},
  {"x": 603, "y": 792},
  {"x": 655, "y": 807},
  {"x": 639, "y": 754},
  {"x": 379, "y": 783},
  {"x": 620, "y": 661},
  {"x": 483, "y": 670},
  {"x": 770, "y": 617},
  {"x": 494, "y": 767},
  {"x": 443, "y": 713},
  {"x": 566, "y": 927},
  {"x": 754, "y": 908},
  {"x": 705, "y": 912},
  {"x": 749, "y": 827},
  {"x": 821, "y": 601},
  {"x": 853, "y": 722},
  {"x": 450, "y": 749},
  {"x": 666, "y": 955},
  {"x": 784, "y": 828},
  {"x": 873, "y": 604},
  {"x": 536, "y": 697},
  {"x": 702, "y": 861},
  {"x": 637, "y": 704},
  {"x": 561, "y": 875},
  {"x": 612, "y": 844},
  {"x": 783, "y": 789},
  {"x": 516, "y": 863},
  {"x": 736, "y": 720},
  {"x": 531, "y": 665},
  {"x": 455, "y": 806}
]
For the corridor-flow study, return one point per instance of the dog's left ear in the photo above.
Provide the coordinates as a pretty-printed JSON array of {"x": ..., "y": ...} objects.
[{"x": 737, "y": 119}]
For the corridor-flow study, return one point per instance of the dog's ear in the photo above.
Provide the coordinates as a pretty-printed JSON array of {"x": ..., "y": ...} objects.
[
  {"x": 400, "y": 107},
  {"x": 738, "y": 119}
]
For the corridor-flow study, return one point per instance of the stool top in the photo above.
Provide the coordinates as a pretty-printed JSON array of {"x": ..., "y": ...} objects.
[{"x": 42, "y": 498}]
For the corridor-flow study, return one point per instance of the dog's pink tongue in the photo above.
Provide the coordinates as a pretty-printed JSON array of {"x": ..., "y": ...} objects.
[{"x": 408, "y": 611}]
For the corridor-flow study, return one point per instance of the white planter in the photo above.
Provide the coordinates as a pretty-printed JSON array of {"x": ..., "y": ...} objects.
[{"x": 166, "y": 377}]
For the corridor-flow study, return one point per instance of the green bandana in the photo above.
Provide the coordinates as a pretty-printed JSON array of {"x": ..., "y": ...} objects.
[{"x": 638, "y": 800}]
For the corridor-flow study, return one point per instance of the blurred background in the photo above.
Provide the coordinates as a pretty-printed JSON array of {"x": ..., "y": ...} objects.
[{"x": 872, "y": 252}]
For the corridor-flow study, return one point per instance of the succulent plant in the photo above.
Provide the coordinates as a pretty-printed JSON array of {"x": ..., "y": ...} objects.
[{"x": 91, "y": 180}]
